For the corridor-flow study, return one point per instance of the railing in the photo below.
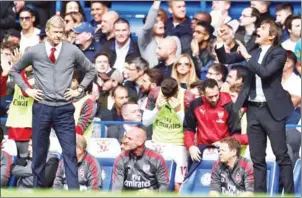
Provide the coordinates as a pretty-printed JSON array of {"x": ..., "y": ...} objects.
[{"x": 104, "y": 123}]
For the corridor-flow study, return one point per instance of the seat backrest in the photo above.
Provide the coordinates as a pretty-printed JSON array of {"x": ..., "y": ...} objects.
[
  {"x": 9, "y": 146},
  {"x": 272, "y": 178},
  {"x": 171, "y": 165},
  {"x": 210, "y": 154},
  {"x": 104, "y": 147},
  {"x": 297, "y": 178},
  {"x": 161, "y": 148},
  {"x": 107, "y": 171},
  {"x": 199, "y": 182}
]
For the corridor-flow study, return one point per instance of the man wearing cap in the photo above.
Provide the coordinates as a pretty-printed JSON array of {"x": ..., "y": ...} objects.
[{"x": 84, "y": 39}]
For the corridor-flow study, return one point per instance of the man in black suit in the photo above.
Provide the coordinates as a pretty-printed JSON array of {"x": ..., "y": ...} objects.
[{"x": 268, "y": 104}]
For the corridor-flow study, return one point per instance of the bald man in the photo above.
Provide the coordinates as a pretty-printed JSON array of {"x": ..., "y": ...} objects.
[
  {"x": 166, "y": 53},
  {"x": 200, "y": 16},
  {"x": 139, "y": 168},
  {"x": 105, "y": 33}
]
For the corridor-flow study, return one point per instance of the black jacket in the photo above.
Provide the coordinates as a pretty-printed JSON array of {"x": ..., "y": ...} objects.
[
  {"x": 7, "y": 17},
  {"x": 270, "y": 72}
]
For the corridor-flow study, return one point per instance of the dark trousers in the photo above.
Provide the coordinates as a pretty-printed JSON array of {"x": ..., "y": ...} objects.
[
  {"x": 260, "y": 125},
  {"x": 61, "y": 118}
]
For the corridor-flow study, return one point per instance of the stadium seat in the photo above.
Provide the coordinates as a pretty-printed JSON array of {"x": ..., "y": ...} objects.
[
  {"x": 171, "y": 169},
  {"x": 199, "y": 182},
  {"x": 272, "y": 178},
  {"x": 9, "y": 146},
  {"x": 107, "y": 170},
  {"x": 104, "y": 147},
  {"x": 297, "y": 178},
  {"x": 12, "y": 182},
  {"x": 210, "y": 154}
]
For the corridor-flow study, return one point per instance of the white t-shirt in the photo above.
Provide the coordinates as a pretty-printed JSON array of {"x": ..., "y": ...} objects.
[
  {"x": 26, "y": 42},
  {"x": 289, "y": 45},
  {"x": 293, "y": 85}
]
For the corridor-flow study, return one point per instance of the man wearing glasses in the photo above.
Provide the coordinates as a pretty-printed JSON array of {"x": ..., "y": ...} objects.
[{"x": 29, "y": 34}]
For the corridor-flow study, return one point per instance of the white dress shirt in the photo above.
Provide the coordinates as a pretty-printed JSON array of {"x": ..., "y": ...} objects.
[
  {"x": 260, "y": 97},
  {"x": 49, "y": 47},
  {"x": 121, "y": 53}
]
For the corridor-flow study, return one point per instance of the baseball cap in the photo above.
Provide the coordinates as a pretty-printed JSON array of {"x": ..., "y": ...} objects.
[{"x": 83, "y": 27}]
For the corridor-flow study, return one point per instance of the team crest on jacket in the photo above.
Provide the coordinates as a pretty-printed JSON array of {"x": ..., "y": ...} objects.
[
  {"x": 146, "y": 167},
  {"x": 220, "y": 116},
  {"x": 238, "y": 178}
]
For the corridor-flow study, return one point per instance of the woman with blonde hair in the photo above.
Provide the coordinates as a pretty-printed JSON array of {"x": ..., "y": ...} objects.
[{"x": 184, "y": 71}]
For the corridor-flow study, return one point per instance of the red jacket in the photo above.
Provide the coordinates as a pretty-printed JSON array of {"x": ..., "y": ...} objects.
[
  {"x": 3, "y": 85},
  {"x": 213, "y": 124}
]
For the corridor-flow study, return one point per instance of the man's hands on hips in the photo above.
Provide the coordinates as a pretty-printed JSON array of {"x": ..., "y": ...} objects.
[
  {"x": 195, "y": 153},
  {"x": 71, "y": 93},
  {"x": 36, "y": 94}
]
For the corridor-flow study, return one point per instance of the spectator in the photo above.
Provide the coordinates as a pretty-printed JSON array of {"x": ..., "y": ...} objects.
[
  {"x": 53, "y": 76},
  {"x": 232, "y": 175},
  {"x": 106, "y": 102},
  {"x": 123, "y": 144},
  {"x": 227, "y": 36},
  {"x": 22, "y": 169},
  {"x": 218, "y": 72},
  {"x": 166, "y": 53},
  {"x": 235, "y": 75},
  {"x": 199, "y": 50},
  {"x": 5, "y": 163},
  {"x": 212, "y": 118},
  {"x": 220, "y": 15},
  {"x": 131, "y": 113},
  {"x": 195, "y": 88},
  {"x": 29, "y": 34},
  {"x": 165, "y": 111},
  {"x": 139, "y": 168},
  {"x": 283, "y": 11},
  {"x": 85, "y": 107},
  {"x": 72, "y": 19},
  {"x": 200, "y": 16},
  {"x": 298, "y": 55},
  {"x": 151, "y": 79},
  {"x": 97, "y": 10},
  {"x": 102, "y": 64},
  {"x": 7, "y": 17},
  {"x": 249, "y": 20},
  {"x": 106, "y": 33},
  {"x": 122, "y": 46},
  {"x": 180, "y": 24},
  {"x": 72, "y": 6},
  {"x": 119, "y": 97},
  {"x": 292, "y": 84},
  {"x": 183, "y": 71},
  {"x": 263, "y": 8},
  {"x": 294, "y": 29},
  {"x": 152, "y": 33},
  {"x": 12, "y": 36},
  {"x": 84, "y": 39},
  {"x": 89, "y": 170},
  {"x": 133, "y": 70},
  {"x": 18, "y": 6}
]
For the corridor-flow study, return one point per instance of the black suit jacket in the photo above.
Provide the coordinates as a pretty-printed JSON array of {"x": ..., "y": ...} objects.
[
  {"x": 270, "y": 72},
  {"x": 7, "y": 17}
]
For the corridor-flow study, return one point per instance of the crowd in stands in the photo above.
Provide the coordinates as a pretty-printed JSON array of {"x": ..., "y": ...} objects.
[{"x": 177, "y": 83}]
